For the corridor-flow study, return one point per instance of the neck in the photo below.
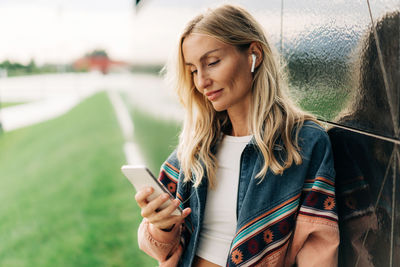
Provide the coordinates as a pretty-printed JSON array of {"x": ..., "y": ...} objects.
[{"x": 239, "y": 121}]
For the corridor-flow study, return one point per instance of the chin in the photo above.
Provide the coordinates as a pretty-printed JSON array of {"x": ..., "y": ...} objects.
[{"x": 219, "y": 107}]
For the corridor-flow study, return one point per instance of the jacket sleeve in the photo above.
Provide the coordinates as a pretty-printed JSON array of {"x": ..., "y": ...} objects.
[
  {"x": 316, "y": 236},
  {"x": 154, "y": 242}
]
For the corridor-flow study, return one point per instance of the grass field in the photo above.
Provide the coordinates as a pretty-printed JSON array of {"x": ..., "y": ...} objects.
[{"x": 63, "y": 199}]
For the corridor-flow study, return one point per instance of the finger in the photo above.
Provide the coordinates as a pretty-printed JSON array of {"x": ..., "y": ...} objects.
[
  {"x": 154, "y": 205},
  {"x": 166, "y": 223},
  {"x": 186, "y": 212},
  {"x": 165, "y": 213},
  {"x": 142, "y": 195}
]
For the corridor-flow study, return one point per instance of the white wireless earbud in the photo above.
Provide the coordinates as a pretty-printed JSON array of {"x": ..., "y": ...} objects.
[{"x": 253, "y": 63}]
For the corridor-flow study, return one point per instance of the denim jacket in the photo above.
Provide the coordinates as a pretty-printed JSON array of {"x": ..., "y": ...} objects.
[{"x": 282, "y": 220}]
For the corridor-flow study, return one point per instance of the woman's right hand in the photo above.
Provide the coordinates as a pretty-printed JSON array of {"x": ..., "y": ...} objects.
[{"x": 160, "y": 218}]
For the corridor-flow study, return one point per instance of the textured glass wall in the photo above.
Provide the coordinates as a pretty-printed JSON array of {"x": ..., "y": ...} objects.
[
  {"x": 343, "y": 63},
  {"x": 344, "y": 66}
]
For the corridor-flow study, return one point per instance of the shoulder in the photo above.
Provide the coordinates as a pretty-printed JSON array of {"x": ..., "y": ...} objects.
[
  {"x": 312, "y": 130},
  {"x": 312, "y": 134},
  {"x": 315, "y": 147}
]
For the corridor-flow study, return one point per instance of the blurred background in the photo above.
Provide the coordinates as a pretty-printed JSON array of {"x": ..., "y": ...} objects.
[{"x": 81, "y": 95}]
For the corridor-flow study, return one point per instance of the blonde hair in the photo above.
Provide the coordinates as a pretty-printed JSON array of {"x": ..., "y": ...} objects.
[{"x": 272, "y": 114}]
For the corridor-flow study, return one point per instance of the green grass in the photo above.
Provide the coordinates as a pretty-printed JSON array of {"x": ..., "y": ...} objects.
[
  {"x": 156, "y": 138},
  {"x": 9, "y": 104},
  {"x": 63, "y": 199}
]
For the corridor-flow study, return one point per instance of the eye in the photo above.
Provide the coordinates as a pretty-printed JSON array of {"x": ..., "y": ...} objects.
[
  {"x": 193, "y": 72},
  {"x": 214, "y": 63}
]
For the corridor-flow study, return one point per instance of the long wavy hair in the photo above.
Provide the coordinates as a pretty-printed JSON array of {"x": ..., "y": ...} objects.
[{"x": 272, "y": 113}]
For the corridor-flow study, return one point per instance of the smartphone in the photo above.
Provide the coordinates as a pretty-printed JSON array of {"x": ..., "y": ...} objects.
[{"x": 141, "y": 177}]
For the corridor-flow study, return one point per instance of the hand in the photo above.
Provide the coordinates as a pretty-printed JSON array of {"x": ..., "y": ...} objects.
[
  {"x": 174, "y": 259},
  {"x": 161, "y": 218}
]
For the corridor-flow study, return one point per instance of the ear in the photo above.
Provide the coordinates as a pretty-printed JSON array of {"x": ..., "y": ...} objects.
[{"x": 256, "y": 49}]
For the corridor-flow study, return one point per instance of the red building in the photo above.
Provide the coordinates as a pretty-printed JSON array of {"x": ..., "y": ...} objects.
[{"x": 98, "y": 62}]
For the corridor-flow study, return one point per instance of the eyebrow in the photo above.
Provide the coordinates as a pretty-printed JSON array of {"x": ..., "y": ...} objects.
[{"x": 203, "y": 56}]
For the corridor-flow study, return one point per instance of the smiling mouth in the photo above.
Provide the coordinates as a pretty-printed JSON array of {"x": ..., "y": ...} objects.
[{"x": 214, "y": 94}]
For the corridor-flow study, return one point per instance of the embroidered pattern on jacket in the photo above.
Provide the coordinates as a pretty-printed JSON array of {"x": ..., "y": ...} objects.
[
  {"x": 319, "y": 199},
  {"x": 169, "y": 177},
  {"x": 270, "y": 232},
  {"x": 265, "y": 234}
]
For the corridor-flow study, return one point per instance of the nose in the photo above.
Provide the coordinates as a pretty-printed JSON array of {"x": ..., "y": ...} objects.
[{"x": 203, "y": 80}]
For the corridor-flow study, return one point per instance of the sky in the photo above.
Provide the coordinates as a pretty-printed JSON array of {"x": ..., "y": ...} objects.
[{"x": 60, "y": 31}]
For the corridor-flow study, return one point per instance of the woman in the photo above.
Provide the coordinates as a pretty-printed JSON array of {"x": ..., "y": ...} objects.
[{"x": 264, "y": 166}]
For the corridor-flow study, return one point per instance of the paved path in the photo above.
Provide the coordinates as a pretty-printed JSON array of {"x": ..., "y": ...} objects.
[
  {"x": 15, "y": 117},
  {"x": 52, "y": 95},
  {"x": 49, "y": 96},
  {"x": 150, "y": 94},
  {"x": 131, "y": 150}
]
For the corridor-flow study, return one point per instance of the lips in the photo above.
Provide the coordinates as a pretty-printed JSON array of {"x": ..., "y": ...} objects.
[{"x": 214, "y": 94}]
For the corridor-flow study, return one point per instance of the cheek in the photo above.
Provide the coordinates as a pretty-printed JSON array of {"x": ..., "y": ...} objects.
[
  {"x": 229, "y": 74},
  {"x": 240, "y": 77}
]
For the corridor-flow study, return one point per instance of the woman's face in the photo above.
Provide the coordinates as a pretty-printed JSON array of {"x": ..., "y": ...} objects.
[{"x": 220, "y": 71}]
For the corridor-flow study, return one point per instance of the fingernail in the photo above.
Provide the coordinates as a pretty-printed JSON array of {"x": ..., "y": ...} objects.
[
  {"x": 148, "y": 190},
  {"x": 165, "y": 196}
]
